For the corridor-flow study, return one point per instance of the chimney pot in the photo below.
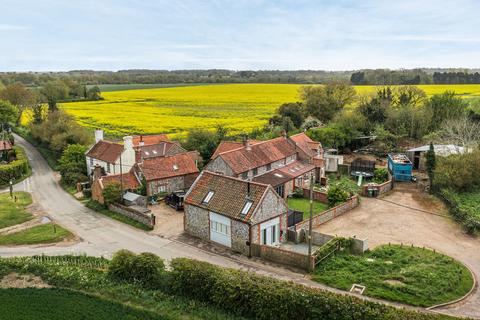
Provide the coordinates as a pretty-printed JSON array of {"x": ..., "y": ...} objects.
[
  {"x": 246, "y": 143},
  {"x": 98, "y": 135},
  {"x": 127, "y": 142}
]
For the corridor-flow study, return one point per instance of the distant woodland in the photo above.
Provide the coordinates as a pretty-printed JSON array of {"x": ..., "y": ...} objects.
[{"x": 360, "y": 77}]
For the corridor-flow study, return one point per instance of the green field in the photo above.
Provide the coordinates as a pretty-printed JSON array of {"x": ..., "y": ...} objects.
[
  {"x": 43, "y": 233},
  {"x": 409, "y": 275},
  {"x": 51, "y": 304},
  {"x": 175, "y": 110},
  {"x": 11, "y": 212}
]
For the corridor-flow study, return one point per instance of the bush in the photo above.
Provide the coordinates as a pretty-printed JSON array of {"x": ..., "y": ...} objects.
[
  {"x": 258, "y": 297},
  {"x": 145, "y": 269},
  {"x": 112, "y": 193},
  {"x": 297, "y": 193},
  {"x": 15, "y": 169},
  {"x": 336, "y": 195},
  {"x": 459, "y": 172},
  {"x": 380, "y": 175},
  {"x": 464, "y": 207}
]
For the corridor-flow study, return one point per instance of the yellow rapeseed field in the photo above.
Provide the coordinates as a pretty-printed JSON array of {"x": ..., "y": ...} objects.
[{"x": 239, "y": 107}]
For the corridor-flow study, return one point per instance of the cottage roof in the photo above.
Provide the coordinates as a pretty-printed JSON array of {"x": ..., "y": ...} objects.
[
  {"x": 170, "y": 166},
  {"x": 105, "y": 151},
  {"x": 228, "y": 195},
  {"x": 5, "y": 145},
  {"x": 130, "y": 181},
  {"x": 149, "y": 139},
  {"x": 225, "y": 146},
  {"x": 259, "y": 154},
  {"x": 306, "y": 144},
  {"x": 441, "y": 149},
  {"x": 285, "y": 174},
  {"x": 157, "y": 150}
]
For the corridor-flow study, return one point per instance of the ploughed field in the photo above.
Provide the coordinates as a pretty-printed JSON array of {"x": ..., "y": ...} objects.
[{"x": 175, "y": 110}]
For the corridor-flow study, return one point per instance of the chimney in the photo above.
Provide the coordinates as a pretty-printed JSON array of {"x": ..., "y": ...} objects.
[
  {"x": 248, "y": 189},
  {"x": 127, "y": 142},
  {"x": 98, "y": 135},
  {"x": 141, "y": 143},
  {"x": 138, "y": 155},
  {"x": 97, "y": 172},
  {"x": 284, "y": 133},
  {"x": 246, "y": 143}
]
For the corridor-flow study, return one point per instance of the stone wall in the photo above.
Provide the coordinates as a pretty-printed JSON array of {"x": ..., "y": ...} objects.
[
  {"x": 170, "y": 185},
  {"x": 240, "y": 235},
  {"x": 329, "y": 214},
  {"x": 380, "y": 188},
  {"x": 319, "y": 239},
  {"x": 197, "y": 222},
  {"x": 218, "y": 165},
  {"x": 289, "y": 258},
  {"x": 144, "y": 217}
]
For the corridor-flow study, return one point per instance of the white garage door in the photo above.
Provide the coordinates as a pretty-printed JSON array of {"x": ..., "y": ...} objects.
[{"x": 220, "y": 229}]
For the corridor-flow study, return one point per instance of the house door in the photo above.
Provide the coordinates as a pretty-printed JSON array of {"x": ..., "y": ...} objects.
[{"x": 270, "y": 232}]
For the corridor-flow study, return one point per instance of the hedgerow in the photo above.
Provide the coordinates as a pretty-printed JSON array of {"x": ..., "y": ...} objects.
[
  {"x": 465, "y": 207},
  {"x": 15, "y": 169}
]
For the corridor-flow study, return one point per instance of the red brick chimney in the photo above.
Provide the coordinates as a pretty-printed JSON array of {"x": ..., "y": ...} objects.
[{"x": 97, "y": 172}]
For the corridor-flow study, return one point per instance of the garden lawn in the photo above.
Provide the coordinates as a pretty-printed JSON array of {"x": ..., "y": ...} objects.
[
  {"x": 302, "y": 204},
  {"x": 410, "y": 275},
  {"x": 11, "y": 212},
  {"x": 43, "y": 233},
  {"x": 52, "y": 304}
]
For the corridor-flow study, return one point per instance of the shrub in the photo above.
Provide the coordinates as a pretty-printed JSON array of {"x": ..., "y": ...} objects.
[
  {"x": 259, "y": 297},
  {"x": 297, "y": 193},
  {"x": 15, "y": 169},
  {"x": 380, "y": 175},
  {"x": 112, "y": 193},
  {"x": 145, "y": 269},
  {"x": 336, "y": 195}
]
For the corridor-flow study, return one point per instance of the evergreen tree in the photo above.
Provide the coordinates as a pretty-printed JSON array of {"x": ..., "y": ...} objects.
[{"x": 431, "y": 164}]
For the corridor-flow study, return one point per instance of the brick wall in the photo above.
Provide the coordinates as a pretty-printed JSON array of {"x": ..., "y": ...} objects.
[
  {"x": 317, "y": 195},
  {"x": 381, "y": 188},
  {"x": 145, "y": 218},
  {"x": 277, "y": 255},
  {"x": 329, "y": 214}
]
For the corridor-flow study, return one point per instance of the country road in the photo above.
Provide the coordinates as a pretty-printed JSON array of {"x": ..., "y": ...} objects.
[{"x": 102, "y": 236}]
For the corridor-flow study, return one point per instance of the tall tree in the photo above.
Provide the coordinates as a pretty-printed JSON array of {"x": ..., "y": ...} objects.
[
  {"x": 72, "y": 164},
  {"x": 445, "y": 106},
  {"x": 293, "y": 111},
  {"x": 324, "y": 102},
  {"x": 53, "y": 92},
  {"x": 431, "y": 164},
  {"x": 8, "y": 112},
  {"x": 18, "y": 95}
]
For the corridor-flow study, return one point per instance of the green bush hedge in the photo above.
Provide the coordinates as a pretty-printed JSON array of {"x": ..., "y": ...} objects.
[
  {"x": 260, "y": 297},
  {"x": 16, "y": 169},
  {"x": 464, "y": 207}
]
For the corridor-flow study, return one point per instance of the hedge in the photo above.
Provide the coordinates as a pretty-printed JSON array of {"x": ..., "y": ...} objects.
[
  {"x": 259, "y": 297},
  {"x": 15, "y": 169},
  {"x": 463, "y": 211}
]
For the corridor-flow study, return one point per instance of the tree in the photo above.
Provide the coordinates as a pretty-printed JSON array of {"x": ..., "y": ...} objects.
[
  {"x": 53, "y": 92},
  {"x": 8, "y": 112},
  {"x": 409, "y": 95},
  {"x": 112, "y": 193},
  {"x": 324, "y": 102},
  {"x": 331, "y": 137},
  {"x": 445, "y": 106},
  {"x": 18, "y": 95},
  {"x": 293, "y": 111},
  {"x": 93, "y": 93},
  {"x": 311, "y": 123},
  {"x": 462, "y": 132},
  {"x": 431, "y": 164},
  {"x": 204, "y": 141},
  {"x": 72, "y": 165},
  {"x": 336, "y": 196}
]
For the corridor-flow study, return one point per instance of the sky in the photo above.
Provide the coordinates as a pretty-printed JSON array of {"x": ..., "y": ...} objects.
[{"x": 61, "y": 35}]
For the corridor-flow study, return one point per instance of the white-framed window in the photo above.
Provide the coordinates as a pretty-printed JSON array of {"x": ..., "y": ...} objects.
[
  {"x": 246, "y": 207},
  {"x": 255, "y": 171},
  {"x": 269, "y": 166},
  {"x": 220, "y": 228},
  {"x": 108, "y": 167},
  {"x": 162, "y": 188},
  {"x": 91, "y": 161},
  {"x": 208, "y": 197}
]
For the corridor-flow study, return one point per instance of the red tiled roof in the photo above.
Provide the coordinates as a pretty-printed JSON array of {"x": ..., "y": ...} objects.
[
  {"x": 230, "y": 195},
  {"x": 169, "y": 166},
  {"x": 262, "y": 153},
  {"x": 105, "y": 151},
  {"x": 306, "y": 144},
  {"x": 5, "y": 145},
  {"x": 149, "y": 139},
  {"x": 156, "y": 150},
  {"x": 129, "y": 180},
  {"x": 225, "y": 146}
]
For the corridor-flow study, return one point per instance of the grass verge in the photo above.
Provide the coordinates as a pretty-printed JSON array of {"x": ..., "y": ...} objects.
[
  {"x": 302, "y": 204},
  {"x": 117, "y": 216},
  {"x": 11, "y": 212},
  {"x": 409, "y": 275},
  {"x": 43, "y": 233}
]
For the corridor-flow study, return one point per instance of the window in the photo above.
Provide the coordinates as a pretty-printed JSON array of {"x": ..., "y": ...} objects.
[
  {"x": 208, "y": 197},
  {"x": 220, "y": 227},
  {"x": 245, "y": 175},
  {"x": 255, "y": 171},
  {"x": 108, "y": 167},
  {"x": 264, "y": 234},
  {"x": 162, "y": 188},
  {"x": 280, "y": 190},
  {"x": 274, "y": 234},
  {"x": 246, "y": 207},
  {"x": 269, "y": 167},
  {"x": 91, "y": 161}
]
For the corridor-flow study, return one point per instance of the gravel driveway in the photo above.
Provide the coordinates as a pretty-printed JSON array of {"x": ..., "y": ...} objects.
[{"x": 408, "y": 216}]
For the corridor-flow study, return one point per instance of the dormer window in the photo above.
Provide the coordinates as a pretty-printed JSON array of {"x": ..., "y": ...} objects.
[
  {"x": 175, "y": 167},
  {"x": 246, "y": 207},
  {"x": 269, "y": 167},
  {"x": 208, "y": 197},
  {"x": 255, "y": 171}
]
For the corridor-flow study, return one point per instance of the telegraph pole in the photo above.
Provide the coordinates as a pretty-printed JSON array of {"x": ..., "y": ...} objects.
[
  {"x": 310, "y": 222},
  {"x": 121, "y": 180}
]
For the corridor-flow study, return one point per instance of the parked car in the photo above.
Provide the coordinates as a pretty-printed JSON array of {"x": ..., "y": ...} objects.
[{"x": 175, "y": 200}]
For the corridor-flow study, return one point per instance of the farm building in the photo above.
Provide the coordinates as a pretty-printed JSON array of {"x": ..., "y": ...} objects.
[
  {"x": 235, "y": 213},
  {"x": 400, "y": 167},
  {"x": 284, "y": 162},
  {"x": 417, "y": 155}
]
